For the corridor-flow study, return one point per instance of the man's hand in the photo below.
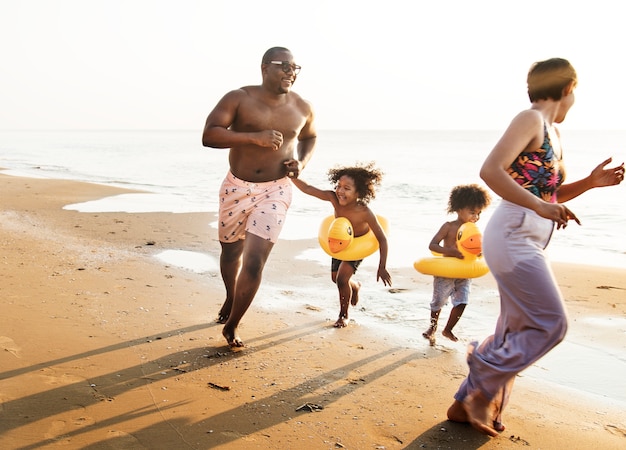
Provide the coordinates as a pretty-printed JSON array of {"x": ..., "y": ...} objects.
[
  {"x": 293, "y": 168},
  {"x": 270, "y": 139}
]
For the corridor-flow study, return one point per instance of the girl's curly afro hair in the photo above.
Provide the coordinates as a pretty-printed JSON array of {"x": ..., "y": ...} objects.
[{"x": 366, "y": 179}]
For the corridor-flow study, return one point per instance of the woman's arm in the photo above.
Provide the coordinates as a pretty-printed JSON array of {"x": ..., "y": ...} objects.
[
  {"x": 524, "y": 132},
  {"x": 599, "y": 177}
]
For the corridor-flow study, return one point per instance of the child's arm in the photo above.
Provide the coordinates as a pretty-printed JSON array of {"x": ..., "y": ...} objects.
[
  {"x": 435, "y": 243},
  {"x": 313, "y": 191},
  {"x": 383, "y": 248}
]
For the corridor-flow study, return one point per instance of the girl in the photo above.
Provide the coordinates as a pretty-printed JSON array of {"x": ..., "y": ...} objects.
[{"x": 354, "y": 188}]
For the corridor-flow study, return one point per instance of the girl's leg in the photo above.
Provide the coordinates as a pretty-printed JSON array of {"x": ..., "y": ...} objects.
[{"x": 343, "y": 279}]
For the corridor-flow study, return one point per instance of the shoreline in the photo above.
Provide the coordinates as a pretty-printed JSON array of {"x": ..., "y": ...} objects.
[{"x": 106, "y": 346}]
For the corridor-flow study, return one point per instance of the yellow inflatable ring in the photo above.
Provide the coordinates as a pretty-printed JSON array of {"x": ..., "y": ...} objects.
[
  {"x": 469, "y": 243},
  {"x": 356, "y": 248},
  {"x": 451, "y": 267}
]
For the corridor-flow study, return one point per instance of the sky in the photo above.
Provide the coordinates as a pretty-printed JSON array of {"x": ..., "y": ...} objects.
[{"x": 393, "y": 64}]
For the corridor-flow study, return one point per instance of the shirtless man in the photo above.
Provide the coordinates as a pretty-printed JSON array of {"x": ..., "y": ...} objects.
[{"x": 262, "y": 125}]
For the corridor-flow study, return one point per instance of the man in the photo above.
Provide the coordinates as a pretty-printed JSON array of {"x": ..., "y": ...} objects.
[{"x": 262, "y": 125}]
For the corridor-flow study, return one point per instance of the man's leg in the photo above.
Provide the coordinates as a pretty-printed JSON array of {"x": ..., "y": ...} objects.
[
  {"x": 230, "y": 265},
  {"x": 255, "y": 253}
]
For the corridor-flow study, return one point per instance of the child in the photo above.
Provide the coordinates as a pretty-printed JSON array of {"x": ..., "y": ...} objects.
[
  {"x": 467, "y": 201},
  {"x": 354, "y": 188}
]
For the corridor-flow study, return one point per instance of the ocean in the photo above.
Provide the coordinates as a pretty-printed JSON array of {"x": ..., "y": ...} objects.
[{"x": 420, "y": 168}]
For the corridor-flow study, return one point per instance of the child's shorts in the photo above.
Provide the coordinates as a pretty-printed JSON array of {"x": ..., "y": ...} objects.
[{"x": 457, "y": 289}]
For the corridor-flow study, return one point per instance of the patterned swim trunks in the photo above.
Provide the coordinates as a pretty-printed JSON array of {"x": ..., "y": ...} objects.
[{"x": 257, "y": 208}]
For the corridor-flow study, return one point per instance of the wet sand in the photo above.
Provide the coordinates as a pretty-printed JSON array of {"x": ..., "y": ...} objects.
[{"x": 107, "y": 347}]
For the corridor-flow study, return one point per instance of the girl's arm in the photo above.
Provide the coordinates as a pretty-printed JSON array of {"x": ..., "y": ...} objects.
[
  {"x": 305, "y": 187},
  {"x": 382, "y": 273}
]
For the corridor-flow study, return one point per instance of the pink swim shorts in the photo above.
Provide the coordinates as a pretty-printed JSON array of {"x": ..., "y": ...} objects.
[{"x": 257, "y": 208}]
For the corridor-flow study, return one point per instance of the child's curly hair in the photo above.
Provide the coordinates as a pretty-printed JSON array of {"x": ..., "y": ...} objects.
[
  {"x": 366, "y": 178},
  {"x": 468, "y": 196}
]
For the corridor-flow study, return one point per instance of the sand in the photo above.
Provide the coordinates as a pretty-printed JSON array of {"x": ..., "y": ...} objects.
[{"x": 107, "y": 347}]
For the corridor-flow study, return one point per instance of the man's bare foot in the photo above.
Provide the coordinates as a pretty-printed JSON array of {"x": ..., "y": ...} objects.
[
  {"x": 478, "y": 412},
  {"x": 232, "y": 338},
  {"x": 355, "y": 293},
  {"x": 342, "y": 322},
  {"x": 221, "y": 318},
  {"x": 450, "y": 335}
]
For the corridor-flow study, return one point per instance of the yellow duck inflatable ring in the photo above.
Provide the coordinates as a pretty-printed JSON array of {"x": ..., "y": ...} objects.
[
  {"x": 336, "y": 237},
  {"x": 469, "y": 243}
]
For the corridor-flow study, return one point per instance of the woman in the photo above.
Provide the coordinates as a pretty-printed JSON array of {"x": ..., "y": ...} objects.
[{"x": 525, "y": 168}]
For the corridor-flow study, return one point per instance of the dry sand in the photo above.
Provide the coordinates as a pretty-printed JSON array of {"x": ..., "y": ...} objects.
[{"x": 107, "y": 347}]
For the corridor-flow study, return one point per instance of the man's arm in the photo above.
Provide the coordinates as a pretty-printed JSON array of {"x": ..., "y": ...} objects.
[
  {"x": 305, "y": 148},
  {"x": 218, "y": 134},
  {"x": 306, "y": 141}
]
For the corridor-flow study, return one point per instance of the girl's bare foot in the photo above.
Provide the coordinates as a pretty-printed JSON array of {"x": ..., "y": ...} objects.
[
  {"x": 342, "y": 322},
  {"x": 354, "y": 299}
]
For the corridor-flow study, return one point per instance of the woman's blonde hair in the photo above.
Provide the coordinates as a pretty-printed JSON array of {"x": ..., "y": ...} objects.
[{"x": 547, "y": 79}]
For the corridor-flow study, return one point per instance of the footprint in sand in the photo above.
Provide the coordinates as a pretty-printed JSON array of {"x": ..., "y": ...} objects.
[
  {"x": 118, "y": 440},
  {"x": 8, "y": 345},
  {"x": 616, "y": 430},
  {"x": 59, "y": 429},
  {"x": 51, "y": 377},
  {"x": 54, "y": 432}
]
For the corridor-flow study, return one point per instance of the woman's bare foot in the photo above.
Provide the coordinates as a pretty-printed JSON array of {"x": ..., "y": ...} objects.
[
  {"x": 354, "y": 299},
  {"x": 342, "y": 322},
  {"x": 457, "y": 413},
  {"x": 450, "y": 335},
  {"x": 478, "y": 410},
  {"x": 232, "y": 338}
]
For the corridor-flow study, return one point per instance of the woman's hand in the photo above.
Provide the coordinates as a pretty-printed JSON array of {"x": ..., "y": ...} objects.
[
  {"x": 558, "y": 213},
  {"x": 600, "y": 176}
]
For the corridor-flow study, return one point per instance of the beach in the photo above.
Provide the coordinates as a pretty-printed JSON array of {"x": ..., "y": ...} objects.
[{"x": 108, "y": 347}]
